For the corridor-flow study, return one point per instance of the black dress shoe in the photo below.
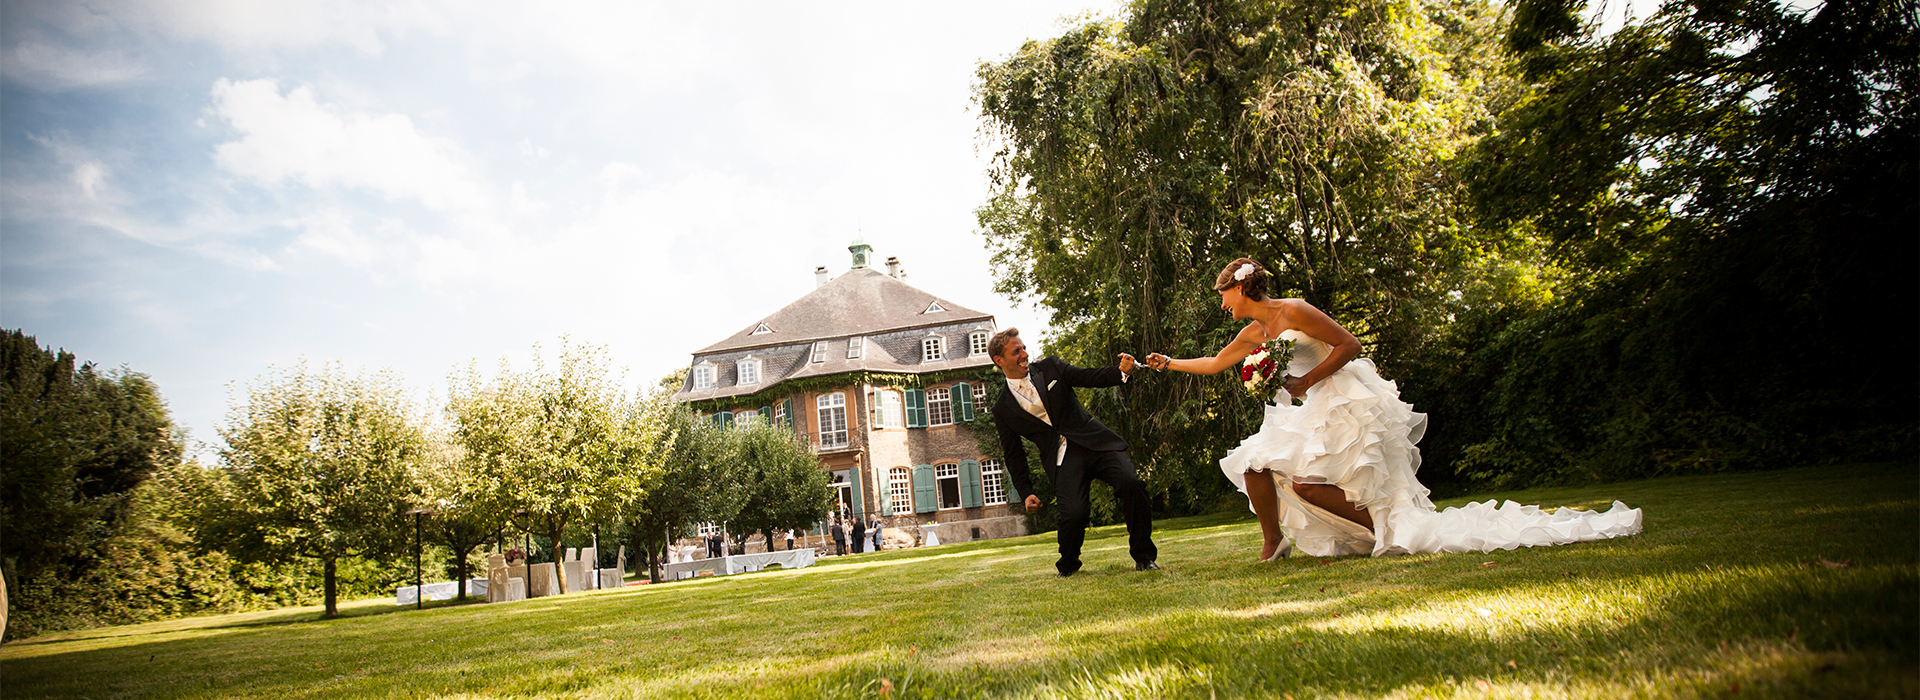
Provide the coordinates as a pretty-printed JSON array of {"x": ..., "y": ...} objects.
[
  {"x": 1146, "y": 566},
  {"x": 1067, "y": 569}
]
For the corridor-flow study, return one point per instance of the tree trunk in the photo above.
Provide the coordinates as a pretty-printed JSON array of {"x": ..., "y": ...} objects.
[
  {"x": 330, "y": 589},
  {"x": 559, "y": 564},
  {"x": 460, "y": 569}
]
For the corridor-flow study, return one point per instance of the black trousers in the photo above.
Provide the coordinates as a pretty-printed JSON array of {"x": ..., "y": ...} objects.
[{"x": 1071, "y": 481}]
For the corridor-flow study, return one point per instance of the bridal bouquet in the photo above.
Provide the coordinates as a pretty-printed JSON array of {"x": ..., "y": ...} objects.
[{"x": 1266, "y": 368}]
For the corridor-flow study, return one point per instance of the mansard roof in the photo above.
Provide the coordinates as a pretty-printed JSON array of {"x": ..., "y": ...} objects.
[
  {"x": 891, "y": 318},
  {"x": 863, "y": 301}
]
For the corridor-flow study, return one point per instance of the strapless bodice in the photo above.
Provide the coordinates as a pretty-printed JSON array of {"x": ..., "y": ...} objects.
[{"x": 1308, "y": 352}]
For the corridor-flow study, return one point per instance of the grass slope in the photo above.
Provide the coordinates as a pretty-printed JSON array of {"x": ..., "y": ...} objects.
[{"x": 1795, "y": 583}]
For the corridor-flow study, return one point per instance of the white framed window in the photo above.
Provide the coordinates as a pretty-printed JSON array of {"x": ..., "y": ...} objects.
[
  {"x": 900, "y": 490},
  {"x": 820, "y": 351},
  {"x": 780, "y": 413},
  {"x": 705, "y": 529},
  {"x": 889, "y": 408},
  {"x": 993, "y": 483},
  {"x": 946, "y": 481},
  {"x": 977, "y": 343},
  {"x": 703, "y": 376},
  {"x": 854, "y": 347},
  {"x": 833, "y": 419},
  {"x": 761, "y": 329},
  {"x": 748, "y": 372},
  {"x": 745, "y": 419},
  {"x": 939, "y": 407},
  {"x": 933, "y": 349},
  {"x": 979, "y": 397}
]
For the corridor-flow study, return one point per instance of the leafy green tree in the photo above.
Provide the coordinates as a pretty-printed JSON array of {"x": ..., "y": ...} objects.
[
  {"x": 784, "y": 487},
  {"x": 1731, "y": 185},
  {"x": 1138, "y": 157},
  {"x": 74, "y": 445},
  {"x": 322, "y": 465},
  {"x": 693, "y": 483},
  {"x": 552, "y": 442},
  {"x": 461, "y": 497}
]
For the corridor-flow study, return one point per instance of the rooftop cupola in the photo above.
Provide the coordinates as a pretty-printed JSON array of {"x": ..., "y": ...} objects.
[{"x": 861, "y": 252}]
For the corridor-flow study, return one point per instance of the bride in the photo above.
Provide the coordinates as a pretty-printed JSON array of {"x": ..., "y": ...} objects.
[{"x": 1335, "y": 475}]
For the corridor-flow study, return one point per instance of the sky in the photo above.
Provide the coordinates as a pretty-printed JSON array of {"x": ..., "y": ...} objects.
[{"x": 201, "y": 190}]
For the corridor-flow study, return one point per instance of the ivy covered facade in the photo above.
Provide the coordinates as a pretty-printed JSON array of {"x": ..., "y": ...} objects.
[{"x": 881, "y": 379}]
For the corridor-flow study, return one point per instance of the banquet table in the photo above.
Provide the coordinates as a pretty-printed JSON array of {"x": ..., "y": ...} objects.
[
  {"x": 444, "y": 590},
  {"x": 737, "y": 564}
]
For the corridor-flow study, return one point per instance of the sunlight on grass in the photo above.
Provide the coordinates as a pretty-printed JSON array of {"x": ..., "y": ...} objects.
[{"x": 1819, "y": 597}]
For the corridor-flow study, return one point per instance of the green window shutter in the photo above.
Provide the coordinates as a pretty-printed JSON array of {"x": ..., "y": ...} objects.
[
  {"x": 962, "y": 401},
  {"x": 859, "y": 497},
  {"x": 916, "y": 408},
  {"x": 789, "y": 413},
  {"x": 970, "y": 484},
  {"x": 923, "y": 489},
  {"x": 883, "y": 492},
  {"x": 766, "y": 415},
  {"x": 723, "y": 419}
]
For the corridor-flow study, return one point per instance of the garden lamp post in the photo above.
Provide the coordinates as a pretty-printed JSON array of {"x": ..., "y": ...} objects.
[{"x": 419, "y": 594}]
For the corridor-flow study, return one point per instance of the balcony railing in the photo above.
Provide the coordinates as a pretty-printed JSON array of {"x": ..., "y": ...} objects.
[{"x": 832, "y": 442}]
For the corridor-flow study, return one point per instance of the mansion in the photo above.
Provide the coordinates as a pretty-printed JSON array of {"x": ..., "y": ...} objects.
[{"x": 880, "y": 378}]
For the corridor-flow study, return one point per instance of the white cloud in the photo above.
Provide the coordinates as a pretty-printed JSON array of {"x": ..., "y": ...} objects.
[
  {"x": 249, "y": 24},
  {"x": 88, "y": 176},
  {"x": 52, "y": 67},
  {"x": 295, "y": 137}
]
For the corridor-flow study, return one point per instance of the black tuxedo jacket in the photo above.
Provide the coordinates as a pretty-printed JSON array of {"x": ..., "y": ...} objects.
[{"x": 1055, "y": 380}]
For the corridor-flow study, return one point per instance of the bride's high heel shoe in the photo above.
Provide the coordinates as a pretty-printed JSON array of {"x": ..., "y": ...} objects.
[{"x": 1286, "y": 547}]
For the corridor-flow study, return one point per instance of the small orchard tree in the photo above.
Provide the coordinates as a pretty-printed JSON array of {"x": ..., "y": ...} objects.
[
  {"x": 783, "y": 485},
  {"x": 460, "y": 496},
  {"x": 550, "y": 442},
  {"x": 692, "y": 482},
  {"x": 320, "y": 465}
]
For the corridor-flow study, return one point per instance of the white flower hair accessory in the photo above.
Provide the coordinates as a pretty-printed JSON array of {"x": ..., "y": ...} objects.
[{"x": 1242, "y": 273}]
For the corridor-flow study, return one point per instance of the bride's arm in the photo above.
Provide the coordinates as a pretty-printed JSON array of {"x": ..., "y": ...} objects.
[
  {"x": 1243, "y": 345},
  {"x": 1318, "y": 324}
]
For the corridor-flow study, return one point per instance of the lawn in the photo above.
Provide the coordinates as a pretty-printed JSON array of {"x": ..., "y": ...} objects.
[{"x": 1792, "y": 583}]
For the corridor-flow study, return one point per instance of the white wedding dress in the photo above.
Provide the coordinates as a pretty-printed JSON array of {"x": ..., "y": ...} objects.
[{"x": 1353, "y": 431}]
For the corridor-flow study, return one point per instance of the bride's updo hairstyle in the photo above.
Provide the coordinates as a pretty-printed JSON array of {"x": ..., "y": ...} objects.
[{"x": 1246, "y": 274}]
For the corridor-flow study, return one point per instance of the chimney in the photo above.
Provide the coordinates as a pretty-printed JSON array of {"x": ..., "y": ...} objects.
[
  {"x": 893, "y": 267},
  {"x": 820, "y": 277}
]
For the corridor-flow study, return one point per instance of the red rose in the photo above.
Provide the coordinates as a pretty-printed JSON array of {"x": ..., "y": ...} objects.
[{"x": 1246, "y": 373}]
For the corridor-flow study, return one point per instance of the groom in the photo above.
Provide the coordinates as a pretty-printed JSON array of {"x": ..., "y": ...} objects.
[{"x": 1039, "y": 404}]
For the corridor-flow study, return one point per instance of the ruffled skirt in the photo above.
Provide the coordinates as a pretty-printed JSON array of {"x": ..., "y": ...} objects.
[{"x": 1353, "y": 431}]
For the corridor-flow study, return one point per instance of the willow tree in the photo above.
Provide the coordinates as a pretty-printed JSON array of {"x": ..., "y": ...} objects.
[
  {"x": 550, "y": 441},
  {"x": 320, "y": 465},
  {"x": 1735, "y": 184},
  {"x": 1137, "y": 157}
]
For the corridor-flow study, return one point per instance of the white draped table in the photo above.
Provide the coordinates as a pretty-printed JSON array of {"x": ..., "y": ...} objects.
[
  {"x": 444, "y": 590},
  {"x": 737, "y": 564}
]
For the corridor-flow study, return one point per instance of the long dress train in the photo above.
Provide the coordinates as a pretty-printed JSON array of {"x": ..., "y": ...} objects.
[{"x": 1353, "y": 431}]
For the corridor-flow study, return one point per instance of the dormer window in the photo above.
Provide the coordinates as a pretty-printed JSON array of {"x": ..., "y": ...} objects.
[
  {"x": 761, "y": 329},
  {"x": 820, "y": 351},
  {"x": 977, "y": 343},
  {"x": 853, "y": 347},
  {"x": 933, "y": 349},
  {"x": 748, "y": 372},
  {"x": 934, "y": 308},
  {"x": 703, "y": 376}
]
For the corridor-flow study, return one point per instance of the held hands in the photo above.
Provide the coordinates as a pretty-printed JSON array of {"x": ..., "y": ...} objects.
[
  {"x": 1033, "y": 504},
  {"x": 1126, "y": 363}
]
